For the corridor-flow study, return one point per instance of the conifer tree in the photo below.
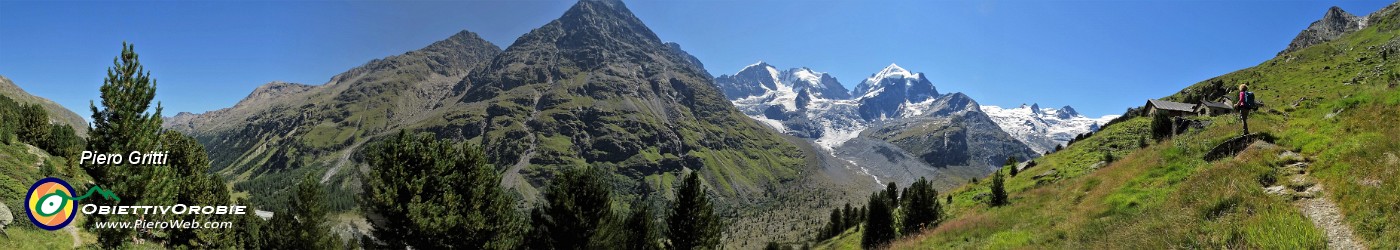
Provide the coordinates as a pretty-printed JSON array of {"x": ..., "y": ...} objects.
[
  {"x": 848, "y": 217},
  {"x": 9, "y": 119},
  {"x": 62, "y": 141},
  {"x": 576, "y": 206},
  {"x": 1013, "y": 162},
  {"x": 197, "y": 187},
  {"x": 642, "y": 231},
  {"x": 34, "y": 125},
  {"x": 860, "y": 216},
  {"x": 693, "y": 222},
  {"x": 999, "y": 196},
  {"x": 247, "y": 232},
  {"x": 892, "y": 195},
  {"x": 835, "y": 224},
  {"x": 308, "y": 217},
  {"x": 879, "y": 222},
  {"x": 412, "y": 178},
  {"x": 122, "y": 125},
  {"x": 921, "y": 208}
]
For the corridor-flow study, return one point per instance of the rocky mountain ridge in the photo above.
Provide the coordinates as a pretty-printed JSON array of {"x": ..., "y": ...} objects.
[{"x": 1334, "y": 23}]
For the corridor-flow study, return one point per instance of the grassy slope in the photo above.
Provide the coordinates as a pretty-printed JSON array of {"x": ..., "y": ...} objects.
[
  {"x": 20, "y": 168},
  {"x": 1166, "y": 196}
]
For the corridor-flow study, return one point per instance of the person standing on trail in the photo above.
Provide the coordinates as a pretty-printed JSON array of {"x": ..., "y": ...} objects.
[{"x": 1243, "y": 105}]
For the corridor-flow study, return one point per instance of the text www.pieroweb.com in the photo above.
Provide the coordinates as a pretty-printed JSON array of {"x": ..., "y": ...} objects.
[{"x": 168, "y": 224}]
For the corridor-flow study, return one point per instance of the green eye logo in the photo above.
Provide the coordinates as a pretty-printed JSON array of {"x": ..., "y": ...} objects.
[{"x": 51, "y": 203}]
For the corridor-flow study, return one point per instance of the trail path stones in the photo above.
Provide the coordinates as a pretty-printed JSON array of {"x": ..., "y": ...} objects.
[{"x": 1311, "y": 199}]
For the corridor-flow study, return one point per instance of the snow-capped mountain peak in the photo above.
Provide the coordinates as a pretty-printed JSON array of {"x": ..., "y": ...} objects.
[
  {"x": 1034, "y": 108},
  {"x": 758, "y": 65},
  {"x": 892, "y": 71},
  {"x": 753, "y": 80},
  {"x": 1066, "y": 112},
  {"x": 883, "y": 94},
  {"x": 817, "y": 84},
  {"x": 894, "y": 76},
  {"x": 807, "y": 75},
  {"x": 1044, "y": 128}
]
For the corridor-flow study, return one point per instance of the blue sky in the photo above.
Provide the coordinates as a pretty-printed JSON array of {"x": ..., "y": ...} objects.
[{"x": 1098, "y": 56}]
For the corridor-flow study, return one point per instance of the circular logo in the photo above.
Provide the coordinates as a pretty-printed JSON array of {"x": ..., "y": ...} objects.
[{"x": 50, "y": 204}]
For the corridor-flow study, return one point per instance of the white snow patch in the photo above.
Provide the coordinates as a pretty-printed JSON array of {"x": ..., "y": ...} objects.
[
  {"x": 832, "y": 138},
  {"x": 892, "y": 71},
  {"x": 813, "y": 79},
  {"x": 863, "y": 170},
  {"x": 1042, "y": 130},
  {"x": 917, "y": 108},
  {"x": 775, "y": 124}
]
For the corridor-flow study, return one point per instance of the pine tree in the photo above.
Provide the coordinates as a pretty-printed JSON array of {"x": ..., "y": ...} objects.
[
  {"x": 860, "y": 216},
  {"x": 576, "y": 206},
  {"x": 279, "y": 232},
  {"x": 1013, "y": 162},
  {"x": 248, "y": 229},
  {"x": 892, "y": 195},
  {"x": 834, "y": 225},
  {"x": 641, "y": 229},
  {"x": 9, "y": 119},
  {"x": 62, "y": 141},
  {"x": 879, "y": 222},
  {"x": 848, "y": 219},
  {"x": 197, "y": 186},
  {"x": 999, "y": 196},
  {"x": 34, "y": 125},
  {"x": 421, "y": 177},
  {"x": 693, "y": 222},
  {"x": 308, "y": 214},
  {"x": 921, "y": 206},
  {"x": 122, "y": 125}
]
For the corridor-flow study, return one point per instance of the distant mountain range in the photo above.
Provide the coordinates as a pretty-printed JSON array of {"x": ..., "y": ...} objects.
[
  {"x": 895, "y": 125},
  {"x": 1044, "y": 128}
]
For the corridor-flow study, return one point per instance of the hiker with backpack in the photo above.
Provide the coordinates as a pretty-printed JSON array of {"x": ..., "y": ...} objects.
[{"x": 1244, "y": 105}]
